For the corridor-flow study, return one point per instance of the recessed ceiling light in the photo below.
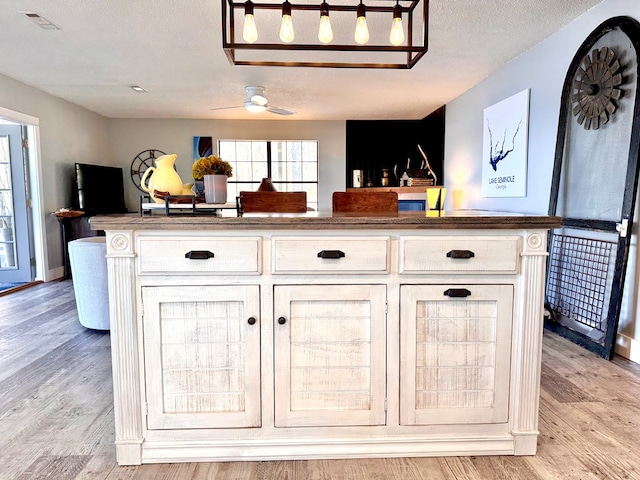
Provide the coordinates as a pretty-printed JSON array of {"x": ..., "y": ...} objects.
[
  {"x": 137, "y": 88},
  {"x": 39, "y": 20}
]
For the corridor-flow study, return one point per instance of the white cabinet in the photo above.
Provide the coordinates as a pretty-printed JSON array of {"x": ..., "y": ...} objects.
[
  {"x": 202, "y": 356},
  {"x": 264, "y": 338},
  {"x": 455, "y": 352},
  {"x": 455, "y": 348},
  {"x": 329, "y": 344}
]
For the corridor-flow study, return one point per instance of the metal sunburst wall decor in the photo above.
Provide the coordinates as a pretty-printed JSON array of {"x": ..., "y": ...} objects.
[{"x": 595, "y": 88}]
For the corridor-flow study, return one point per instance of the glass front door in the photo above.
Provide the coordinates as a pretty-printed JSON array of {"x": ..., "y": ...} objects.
[{"x": 15, "y": 264}]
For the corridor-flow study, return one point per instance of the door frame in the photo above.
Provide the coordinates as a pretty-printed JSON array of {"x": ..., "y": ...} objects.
[
  {"x": 40, "y": 251},
  {"x": 631, "y": 28}
]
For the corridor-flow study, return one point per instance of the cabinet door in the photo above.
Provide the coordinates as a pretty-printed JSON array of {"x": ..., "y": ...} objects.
[
  {"x": 329, "y": 355},
  {"x": 455, "y": 354},
  {"x": 202, "y": 356}
]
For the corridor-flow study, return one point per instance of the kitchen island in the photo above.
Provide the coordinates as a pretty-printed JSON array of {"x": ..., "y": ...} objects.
[{"x": 298, "y": 336}]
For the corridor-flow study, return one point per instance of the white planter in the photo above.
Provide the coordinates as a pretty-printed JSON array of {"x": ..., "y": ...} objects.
[{"x": 215, "y": 188}]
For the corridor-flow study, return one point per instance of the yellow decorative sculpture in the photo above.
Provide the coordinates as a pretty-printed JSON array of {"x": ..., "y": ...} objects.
[
  {"x": 187, "y": 189},
  {"x": 163, "y": 178}
]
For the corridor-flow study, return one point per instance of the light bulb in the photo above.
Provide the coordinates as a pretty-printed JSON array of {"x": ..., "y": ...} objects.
[
  {"x": 286, "y": 29},
  {"x": 253, "y": 108},
  {"x": 397, "y": 33},
  {"x": 259, "y": 100},
  {"x": 325, "y": 35},
  {"x": 249, "y": 32},
  {"x": 362, "y": 32},
  {"x": 396, "y": 37}
]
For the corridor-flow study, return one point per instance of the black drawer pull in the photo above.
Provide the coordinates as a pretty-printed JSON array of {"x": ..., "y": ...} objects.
[
  {"x": 331, "y": 254},
  {"x": 282, "y": 320},
  {"x": 460, "y": 254},
  {"x": 198, "y": 255},
  {"x": 252, "y": 320},
  {"x": 457, "y": 292}
]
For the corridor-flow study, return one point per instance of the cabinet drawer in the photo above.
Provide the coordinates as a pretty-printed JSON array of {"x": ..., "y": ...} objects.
[
  {"x": 330, "y": 255},
  {"x": 213, "y": 255},
  {"x": 459, "y": 254}
]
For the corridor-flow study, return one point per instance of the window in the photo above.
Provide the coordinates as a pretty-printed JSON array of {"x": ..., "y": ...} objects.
[{"x": 292, "y": 165}]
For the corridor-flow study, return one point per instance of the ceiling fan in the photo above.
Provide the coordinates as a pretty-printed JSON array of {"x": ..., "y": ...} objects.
[{"x": 256, "y": 102}]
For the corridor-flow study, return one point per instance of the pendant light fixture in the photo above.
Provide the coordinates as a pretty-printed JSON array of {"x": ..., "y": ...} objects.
[
  {"x": 286, "y": 27},
  {"x": 325, "y": 35},
  {"x": 362, "y": 32},
  {"x": 406, "y": 44},
  {"x": 249, "y": 32},
  {"x": 396, "y": 37}
]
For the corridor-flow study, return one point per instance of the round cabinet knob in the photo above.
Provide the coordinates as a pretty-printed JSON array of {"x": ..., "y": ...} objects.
[
  {"x": 252, "y": 320},
  {"x": 282, "y": 320}
]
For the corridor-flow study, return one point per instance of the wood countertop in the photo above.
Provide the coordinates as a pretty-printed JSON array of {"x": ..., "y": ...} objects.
[{"x": 458, "y": 219}]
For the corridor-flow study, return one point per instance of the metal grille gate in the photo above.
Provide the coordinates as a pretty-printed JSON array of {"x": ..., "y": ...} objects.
[{"x": 578, "y": 280}]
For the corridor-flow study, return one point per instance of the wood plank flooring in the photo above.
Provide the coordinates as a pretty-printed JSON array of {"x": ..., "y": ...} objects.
[{"x": 56, "y": 413}]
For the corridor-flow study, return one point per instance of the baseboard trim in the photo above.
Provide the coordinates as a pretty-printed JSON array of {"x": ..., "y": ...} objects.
[
  {"x": 19, "y": 287},
  {"x": 628, "y": 347}
]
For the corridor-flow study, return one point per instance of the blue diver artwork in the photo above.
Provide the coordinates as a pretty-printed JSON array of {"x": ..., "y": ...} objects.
[{"x": 496, "y": 155}]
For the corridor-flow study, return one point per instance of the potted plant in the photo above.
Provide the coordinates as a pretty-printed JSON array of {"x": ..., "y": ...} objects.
[{"x": 214, "y": 172}]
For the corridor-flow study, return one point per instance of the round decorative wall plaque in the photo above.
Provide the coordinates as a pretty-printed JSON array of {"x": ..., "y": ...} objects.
[{"x": 595, "y": 88}]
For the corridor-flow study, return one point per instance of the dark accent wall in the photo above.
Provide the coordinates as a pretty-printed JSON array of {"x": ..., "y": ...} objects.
[{"x": 376, "y": 144}]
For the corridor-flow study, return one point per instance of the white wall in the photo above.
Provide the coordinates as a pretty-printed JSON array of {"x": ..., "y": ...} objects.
[
  {"x": 129, "y": 137},
  {"x": 542, "y": 69},
  {"x": 68, "y": 134}
]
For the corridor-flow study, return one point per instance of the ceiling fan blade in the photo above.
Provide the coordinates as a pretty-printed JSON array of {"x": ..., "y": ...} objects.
[
  {"x": 279, "y": 111},
  {"x": 227, "y": 108}
]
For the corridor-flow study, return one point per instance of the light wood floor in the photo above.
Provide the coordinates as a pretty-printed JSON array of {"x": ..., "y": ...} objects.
[{"x": 56, "y": 414}]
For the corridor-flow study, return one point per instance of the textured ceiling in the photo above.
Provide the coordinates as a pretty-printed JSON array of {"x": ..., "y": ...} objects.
[{"x": 173, "y": 48}]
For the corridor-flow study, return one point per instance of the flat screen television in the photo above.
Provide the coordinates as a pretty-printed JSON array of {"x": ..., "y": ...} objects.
[{"x": 99, "y": 189}]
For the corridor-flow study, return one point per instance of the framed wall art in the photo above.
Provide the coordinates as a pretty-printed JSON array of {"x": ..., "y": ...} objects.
[
  {"x": 202, "y": 147},
  {"x": 505, "y": 146}
]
